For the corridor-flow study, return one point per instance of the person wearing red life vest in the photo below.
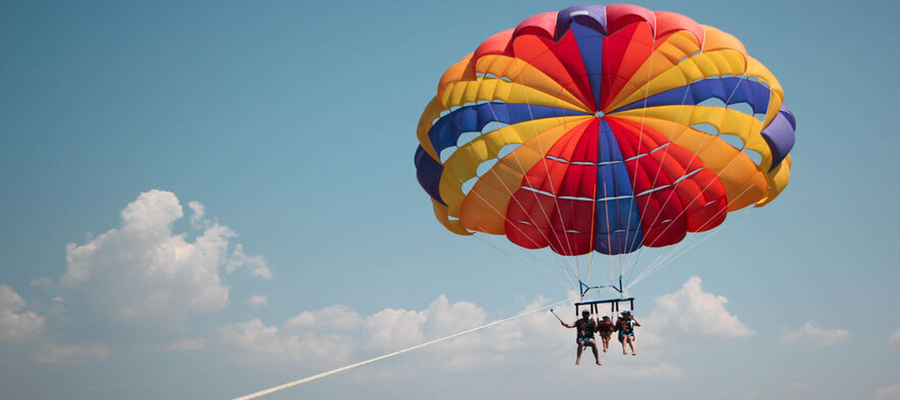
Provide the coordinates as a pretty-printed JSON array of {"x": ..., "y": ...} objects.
[{"x": 605, "y": 329}]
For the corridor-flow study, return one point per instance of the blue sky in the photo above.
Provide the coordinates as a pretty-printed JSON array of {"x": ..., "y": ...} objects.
[{"x": 258, "y": 159}]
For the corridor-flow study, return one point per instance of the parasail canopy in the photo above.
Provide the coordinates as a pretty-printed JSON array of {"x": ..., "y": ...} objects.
[{"x": 603, "y": 129}]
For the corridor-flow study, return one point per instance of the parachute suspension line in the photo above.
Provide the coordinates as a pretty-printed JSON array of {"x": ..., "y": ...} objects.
[
  {"x": 665, "y": 151},
  {"x": 608, "y": 233},
  {"x": 665, "y": 154},
  {"x": 712, "y": 233},
  {"x": 593, "y": 228},
  {"x": 670, "y": 256},
  {"x": 533, "y": 262},
  {"x": 559, "y": 259},
  {"x": 591, "y": 256},
  {"x": 632, "y": 266},
  {"x": 498, "y": 212},
  {"x": 680, "y": 250},
  {"x": 638, "y": 164},
  {"x": 550, "y": 179},
  {"x": 694, "y": 156},
  {"x": 371, "y": 360},
  {"x": 684, "y": 209}
]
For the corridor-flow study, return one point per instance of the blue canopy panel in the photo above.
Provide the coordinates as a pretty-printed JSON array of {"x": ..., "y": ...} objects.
[
  {"x": 617, "y": 221},
  {"x": 428, "y": 172},
  {"x": 730, "y": 90},
  {"x": 590, "y": 44},
  {"x": 447, "y": 130}
]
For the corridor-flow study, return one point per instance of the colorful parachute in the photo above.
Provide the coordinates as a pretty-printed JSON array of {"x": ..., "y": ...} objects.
[{"x": 603, "y": 128}]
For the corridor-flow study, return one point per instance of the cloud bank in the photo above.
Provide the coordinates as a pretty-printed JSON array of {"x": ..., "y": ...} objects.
[
  {"x": 185, "y": 345},
  {"x": 894, "y": 339},
  {"x": 887, "y": 393},
  {"x": 811, "y": 333},
  {"x": 258, "y": 301},
  {"x": 16, "y": 326},
  {"x": 79, "y": 354},
  {"x": 694, "y": 312},
  {"x": 337, "y": 335},
  {"x": 144, "y": 270}
]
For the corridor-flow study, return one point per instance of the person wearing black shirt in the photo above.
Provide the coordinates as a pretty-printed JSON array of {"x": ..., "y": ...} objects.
[{"x": 586, "y": 327}]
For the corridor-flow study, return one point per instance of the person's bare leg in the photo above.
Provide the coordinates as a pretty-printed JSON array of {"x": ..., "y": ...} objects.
[
  {"x": 622, "y": 340},
  {"x": 594, "y": 350},
  {"x": 631, "y": 344},
  {"x": 578, "y": 358},
  {"x": 605, "y": 343}
]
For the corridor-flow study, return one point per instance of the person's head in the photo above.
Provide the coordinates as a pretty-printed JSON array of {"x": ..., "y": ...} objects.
[
  {"x": 606, "y": 318},
  {"x": 585, "y": 313},
  {"x": 626, "y": 314}
]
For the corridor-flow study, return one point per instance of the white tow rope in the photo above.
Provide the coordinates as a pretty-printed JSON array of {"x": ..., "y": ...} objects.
[{"x": 359, "y": 364}]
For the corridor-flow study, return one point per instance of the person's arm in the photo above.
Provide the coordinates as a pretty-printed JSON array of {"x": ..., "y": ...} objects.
[
  {"x": 636, "y": 323},
  {"x": 572, "y": 325}
]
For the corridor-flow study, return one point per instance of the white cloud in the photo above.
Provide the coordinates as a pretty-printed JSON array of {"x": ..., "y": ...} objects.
[
  {"x": 186, "y": 345},
  {"x": 255, "y": 344},
  {"x": 337, "y": 332},
  {"x": 334, "y": 318},
  {"x": 199, "y": 213},
  {"x": 445, "y": 318},
  {"x": 59, "y": 305},
  {"x": 337, "y": 335},
  {"x": 255, "y": 264},
  {"x": 887, "y": 393},
  {"x": 691, "y": 310},
  {"x": 258, "y": 300},
  {"x": 41, "y": 283},
  {"x": 653, "y": 371},
  {"x": 894, "y": 339},
  {"x": 144, "y": 270},
  {"x": 17, "y": 326},
  {"x": 391, "y": 329},
  {"x": 78, "y": 354},
  {"x": 811, "y": 333}
]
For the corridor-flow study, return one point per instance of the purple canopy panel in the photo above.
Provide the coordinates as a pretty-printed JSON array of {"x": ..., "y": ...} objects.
[
  {"x": 590, "y": 15},
  {"x": 779, "y": 135}
]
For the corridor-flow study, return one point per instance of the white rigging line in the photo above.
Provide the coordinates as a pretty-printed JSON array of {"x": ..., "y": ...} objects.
[
  {"x": 665, "y": 259},
  {"x": 531, "y": 260},
  {"x": 555, "y": 193},
  {"x": 537, "y": 136},
  {"x": 640, "y": 141},
  {"x": 559, "y": 260},
  {"x": 371, "y": 360}
]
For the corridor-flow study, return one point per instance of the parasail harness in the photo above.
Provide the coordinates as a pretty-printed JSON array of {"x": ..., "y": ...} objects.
[{"x": 595, "y": 305}]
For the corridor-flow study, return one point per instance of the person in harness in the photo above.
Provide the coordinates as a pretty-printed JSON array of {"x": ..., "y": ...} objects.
[
  {"x": 586, "y": 327},
  {"x": 605, "y": 329},
  {"x": 625, "y": 325}
]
